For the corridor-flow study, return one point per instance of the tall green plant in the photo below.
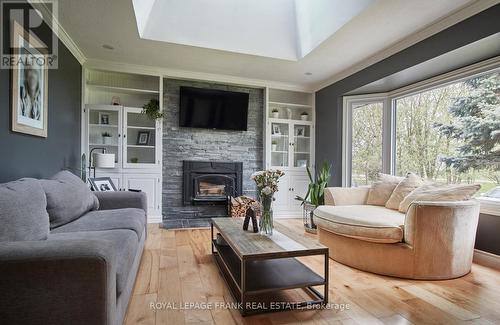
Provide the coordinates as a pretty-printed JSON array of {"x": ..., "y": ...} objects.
[{"x": 316, "y": 190}]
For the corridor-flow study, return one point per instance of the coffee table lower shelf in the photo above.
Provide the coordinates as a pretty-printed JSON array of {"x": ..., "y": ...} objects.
[{"x": 262, "y": 276}]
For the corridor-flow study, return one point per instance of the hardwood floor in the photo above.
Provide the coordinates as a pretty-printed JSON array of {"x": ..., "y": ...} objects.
[{"x": 177, "y": 268}]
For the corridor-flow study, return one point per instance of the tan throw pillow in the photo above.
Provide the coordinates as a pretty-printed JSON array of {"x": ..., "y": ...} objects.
[
  {"x": 439, "y": 192},
  {"x": 382, "y": 189},
  {"x": 407, "y": 185}
]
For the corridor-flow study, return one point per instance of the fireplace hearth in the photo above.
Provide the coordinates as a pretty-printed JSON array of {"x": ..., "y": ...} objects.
[{"x": 211, "y": 182}]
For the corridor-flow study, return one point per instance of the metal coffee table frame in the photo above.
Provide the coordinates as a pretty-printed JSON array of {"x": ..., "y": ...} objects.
[{"x": 235, "y": 268}]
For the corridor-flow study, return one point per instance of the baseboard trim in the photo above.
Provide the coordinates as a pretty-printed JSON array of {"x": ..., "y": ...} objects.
[
  {"x": 155, "y": 219},
  {"x": 486, "y": 259}
]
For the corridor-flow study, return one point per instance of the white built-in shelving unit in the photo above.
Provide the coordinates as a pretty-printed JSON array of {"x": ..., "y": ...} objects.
[
  {"x": 289, "y": 145},
  {"x": 138, "y": 164}
]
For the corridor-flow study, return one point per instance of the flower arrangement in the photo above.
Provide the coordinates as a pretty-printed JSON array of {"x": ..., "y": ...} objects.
[{"x": 267, "y": 185}]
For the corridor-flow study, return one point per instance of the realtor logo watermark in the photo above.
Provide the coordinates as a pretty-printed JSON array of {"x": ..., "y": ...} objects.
[{"x": 27, "y": 39}]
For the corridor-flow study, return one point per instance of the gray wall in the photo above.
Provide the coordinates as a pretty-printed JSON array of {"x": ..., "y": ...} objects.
[
  {"x": 29, "y": 156},
  {"x": 329, "y": 99},
  {"x": 181, "y": 143}
]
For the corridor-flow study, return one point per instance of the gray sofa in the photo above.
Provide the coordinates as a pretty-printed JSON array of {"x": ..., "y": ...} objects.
[{"x": 67, "y": 255}]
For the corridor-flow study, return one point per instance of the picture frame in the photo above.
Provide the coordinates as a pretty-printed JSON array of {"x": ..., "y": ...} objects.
[
  {"x": 102, "y": 184},
  {"x": 29, "y": 85},
  {"x": 276, "y": 129},
  {"x": 300, "y": 131},
  {"x": 103, "y": 118},
  {"x": 143, "y": 138}
]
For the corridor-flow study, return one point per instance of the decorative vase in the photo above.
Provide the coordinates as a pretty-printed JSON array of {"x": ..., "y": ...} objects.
[
  {"x": 304, "y": 117},
  {"x": 308, "y": 218},
  {"x": 274, "y": 147},
  {"x": 266, "y": 218},
  {"x": 276, "y": 114}
]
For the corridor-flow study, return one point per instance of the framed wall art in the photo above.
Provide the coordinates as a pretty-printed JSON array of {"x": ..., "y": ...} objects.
[{"x": 29, "y": 85}]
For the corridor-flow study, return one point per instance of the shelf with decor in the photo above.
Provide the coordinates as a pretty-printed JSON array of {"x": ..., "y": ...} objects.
[
  {"x": 115, "y": 122},
  {"x": 290, "y": 105}
]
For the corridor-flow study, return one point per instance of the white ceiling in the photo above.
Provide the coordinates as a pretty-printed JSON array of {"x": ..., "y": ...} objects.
[
  {"x": 283, "y": 29},
  {"x": 384, "y": 23}
]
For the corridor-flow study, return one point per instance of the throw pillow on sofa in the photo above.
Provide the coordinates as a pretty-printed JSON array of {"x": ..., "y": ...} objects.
[
  {"x": 407, "y": 185},
  {"x": 23, "y": 214},
  {"x": 382, "y": 189},
  {"x": 439, "y": 192},
  {"x": 68, "y": 198}
]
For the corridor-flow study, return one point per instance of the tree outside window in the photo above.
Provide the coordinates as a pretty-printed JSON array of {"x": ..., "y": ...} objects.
[
  {"x": 366, "y": 143},
  {"x": 452, "y": 134}
]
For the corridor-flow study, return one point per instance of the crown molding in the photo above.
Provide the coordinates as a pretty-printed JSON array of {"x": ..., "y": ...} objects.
[
  {"x": 60, "y": 32},
  {"x": 191, "y": 75},
  {"x": 434, "y": 28}
]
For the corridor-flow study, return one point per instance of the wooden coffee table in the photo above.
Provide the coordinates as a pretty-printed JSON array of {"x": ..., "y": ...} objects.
[{"x": 254, "y": 265}]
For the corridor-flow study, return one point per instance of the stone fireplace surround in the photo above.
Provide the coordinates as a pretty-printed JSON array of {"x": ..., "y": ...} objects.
[{"x": 193, "y": 144}]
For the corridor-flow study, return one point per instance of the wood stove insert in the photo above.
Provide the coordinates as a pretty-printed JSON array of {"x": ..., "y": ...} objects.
[{"x": 211, "y": 182}]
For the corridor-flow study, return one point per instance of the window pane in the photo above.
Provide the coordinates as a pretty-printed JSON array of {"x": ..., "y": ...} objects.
[
  {"x": 452, "y": 134},
  {"x": 366, "y": 143}
]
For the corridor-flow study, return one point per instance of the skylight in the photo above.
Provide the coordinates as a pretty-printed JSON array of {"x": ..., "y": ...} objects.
[{"x": 281, "y": 29}]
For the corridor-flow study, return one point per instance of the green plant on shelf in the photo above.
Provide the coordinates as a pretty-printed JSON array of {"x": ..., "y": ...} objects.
[
  {"x": 152, "y": 109},
  {"x": 107, "y": 135}
]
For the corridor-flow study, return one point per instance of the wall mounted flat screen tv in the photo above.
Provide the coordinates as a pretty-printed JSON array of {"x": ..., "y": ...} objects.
[{"x": 213, "y": 109}]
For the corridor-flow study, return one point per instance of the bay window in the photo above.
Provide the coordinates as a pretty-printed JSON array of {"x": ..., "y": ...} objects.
[{"x": 446, "y": 129}]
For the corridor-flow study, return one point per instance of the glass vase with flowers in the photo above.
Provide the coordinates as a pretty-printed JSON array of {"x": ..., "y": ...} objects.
[{"x": 267, "y": 185}]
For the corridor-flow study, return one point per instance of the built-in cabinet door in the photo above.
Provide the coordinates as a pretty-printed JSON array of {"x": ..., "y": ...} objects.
[
  {"x": 283, "y": 195},
  {"x": 301, "y": 145},
  {"x": 290, "y": 186},
  {"x": 280, "y": 145},
  {"x": 148, "y": 183},
  {"x": 291, "y": 144},
  {"x": 141, "y": 139},
  {"x": 298, "y": 185}
]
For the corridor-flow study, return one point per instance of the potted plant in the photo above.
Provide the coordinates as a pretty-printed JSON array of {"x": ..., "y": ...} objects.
[
  {"x": 275, "y": 113},
  {"x": 152, "y": 109},
  {"x": 315, "y": 195},
  {"x": 106, "y": 138},
  {"x": 274, "y": 145},
  {"x": 304, "y": 116}
]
